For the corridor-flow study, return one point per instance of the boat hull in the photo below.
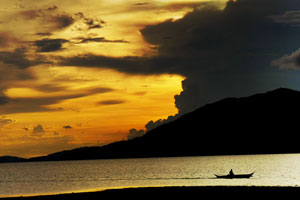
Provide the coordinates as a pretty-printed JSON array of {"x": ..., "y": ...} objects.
[{"x": 235, "y": 176}]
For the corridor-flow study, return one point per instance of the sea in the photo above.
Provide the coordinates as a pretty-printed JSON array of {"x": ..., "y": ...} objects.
[{"x": 36, "y": 178}]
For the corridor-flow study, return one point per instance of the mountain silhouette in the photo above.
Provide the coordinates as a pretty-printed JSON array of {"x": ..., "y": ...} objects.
[
  {"x": 6, "y": 159},
  {"x": 259, "y": 124}
]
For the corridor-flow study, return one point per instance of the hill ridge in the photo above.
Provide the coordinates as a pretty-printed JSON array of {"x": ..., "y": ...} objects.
[{"x": 244, "y": 125}]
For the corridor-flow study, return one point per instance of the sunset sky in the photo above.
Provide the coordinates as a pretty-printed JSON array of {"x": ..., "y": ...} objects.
[{"x": 90, "y": 72}]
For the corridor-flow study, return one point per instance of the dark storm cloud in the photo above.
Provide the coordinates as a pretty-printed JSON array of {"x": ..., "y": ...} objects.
[
  {"x": 49, "y": 45},
  {"x": 131, "y": 65},
  {"x": 221, "y": 52},
  {"x": 228, "y": 53}
]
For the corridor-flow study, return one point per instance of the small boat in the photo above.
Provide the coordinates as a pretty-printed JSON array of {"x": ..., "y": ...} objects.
[{"x": 231, "y": 176}]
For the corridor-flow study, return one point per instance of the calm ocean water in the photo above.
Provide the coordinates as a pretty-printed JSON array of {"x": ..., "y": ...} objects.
[{"x": 73, "y": 176}]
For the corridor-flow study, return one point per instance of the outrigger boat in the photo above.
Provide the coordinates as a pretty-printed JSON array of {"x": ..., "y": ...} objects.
[{"x": 231, "y": 176}]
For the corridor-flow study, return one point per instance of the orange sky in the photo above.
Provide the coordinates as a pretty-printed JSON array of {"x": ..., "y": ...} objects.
[{"x": 51, "y": 107}]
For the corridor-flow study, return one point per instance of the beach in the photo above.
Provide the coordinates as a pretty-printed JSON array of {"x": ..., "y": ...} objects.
[{"x": 234, "y": 192}]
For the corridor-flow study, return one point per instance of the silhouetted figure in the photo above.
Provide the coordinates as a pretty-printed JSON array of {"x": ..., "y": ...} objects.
[{"x": 231, "y": 172}]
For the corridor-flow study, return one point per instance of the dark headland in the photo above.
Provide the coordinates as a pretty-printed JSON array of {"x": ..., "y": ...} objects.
[
  {"x": 5, "y": 159},
  {"x": 265, "y": 123}
]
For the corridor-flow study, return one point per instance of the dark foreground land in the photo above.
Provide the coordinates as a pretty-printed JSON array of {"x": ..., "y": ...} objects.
[{"x": 209, "y": 192}]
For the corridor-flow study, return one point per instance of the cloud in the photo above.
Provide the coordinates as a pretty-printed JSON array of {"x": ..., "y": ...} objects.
[
  {"x": 52, "y": 8},
  {"x": 141, "y": 93},
  {"x": 55, "y": 133},
  {"x": 61, "y": 21},
  {"x": 193, "y": 43},
  {"x": 50, "y": 17},
  {"x": 111, "y": 102},
  {"x": 9, "y": 76},
  {"x": 49, "y": 45},
  {"x": 291, "y": 61},
  {"x": 5, "y": 121},
  {"x": 225, "y": 52},
  {"x": 67, "y": 127},
  {"x": 49, "y": 87},
  {"x": 221, "y": 52},
  {"x": 289, "y": 17},
  {"x": 90, "y": 23},
  {"x": 7, "y": 40},
  {"x": 99, "y": 90},
  {"x": 100, "y": 39},
  {"x": 140, "y": 4},
  {"x": 43, "y": 34},
  {"x": 129, "y": 65},
  {"x": 4, "y": 100},
  {"x": 38, "y": 131},
  {"x": 34, "y": 104},
  {"x": 30, "y": 14},
  {"x": 152, "y": 125},
  {"x": 133, "y": 133},
  {"x": 18, "y": 58},
  {"x": 39, "y": 104}
]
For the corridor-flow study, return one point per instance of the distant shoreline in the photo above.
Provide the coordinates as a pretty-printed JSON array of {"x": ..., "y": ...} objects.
[{"x": 173, "y": 191}]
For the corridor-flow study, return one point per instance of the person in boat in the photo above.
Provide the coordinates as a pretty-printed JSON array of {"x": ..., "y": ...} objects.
[{"x": 231, "y": 173}]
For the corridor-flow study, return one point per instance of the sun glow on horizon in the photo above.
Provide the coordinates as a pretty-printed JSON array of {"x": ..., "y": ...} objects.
[
  {"x": 48, "y": 106},
  {"x": 101, "y": 107}
]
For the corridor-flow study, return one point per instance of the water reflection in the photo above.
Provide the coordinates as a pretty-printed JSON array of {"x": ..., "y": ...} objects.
[{"x": 70, "y": 176}]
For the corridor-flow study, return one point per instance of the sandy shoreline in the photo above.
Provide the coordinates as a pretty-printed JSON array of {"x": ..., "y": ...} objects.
[{"x": 235, "y": 192}]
